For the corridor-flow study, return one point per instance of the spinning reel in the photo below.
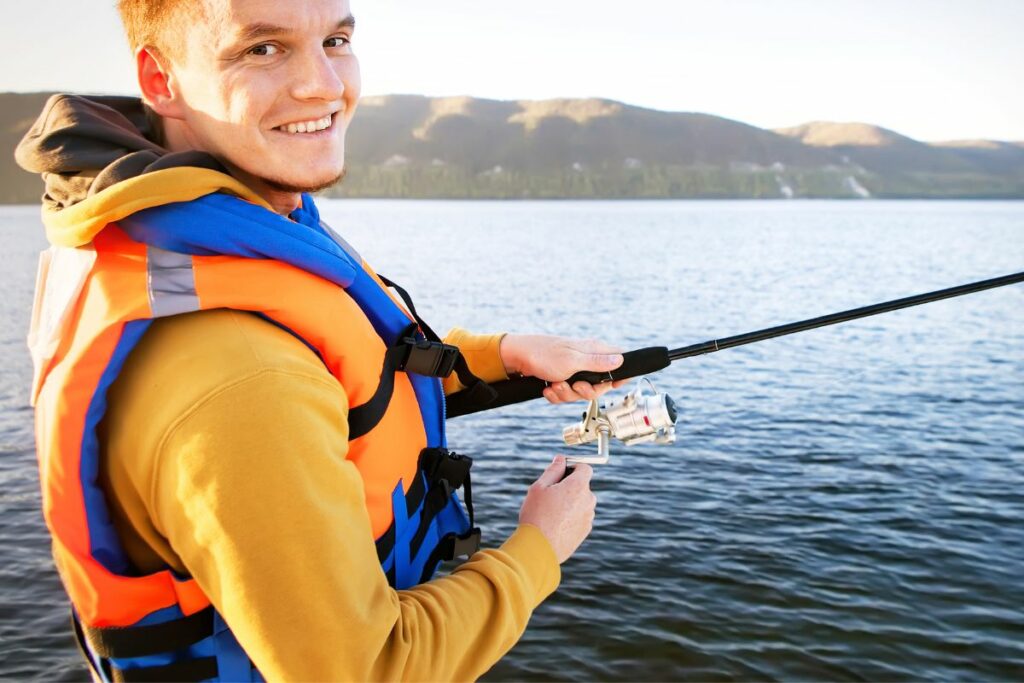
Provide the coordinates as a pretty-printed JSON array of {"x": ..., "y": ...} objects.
[{"x": 639, "y": 418}]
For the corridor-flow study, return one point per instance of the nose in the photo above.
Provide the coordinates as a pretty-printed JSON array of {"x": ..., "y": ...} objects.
[{"x": 316, "y": 78}]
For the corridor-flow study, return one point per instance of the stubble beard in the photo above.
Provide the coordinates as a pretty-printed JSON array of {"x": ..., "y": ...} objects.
[{"x": 282, "y": 186}]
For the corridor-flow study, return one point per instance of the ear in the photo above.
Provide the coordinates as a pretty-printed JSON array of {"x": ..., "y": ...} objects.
[{"x": 156, "y": 82}]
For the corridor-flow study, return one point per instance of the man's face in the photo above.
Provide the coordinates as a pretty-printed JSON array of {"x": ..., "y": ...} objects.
[{"x": 269, "y": 87}]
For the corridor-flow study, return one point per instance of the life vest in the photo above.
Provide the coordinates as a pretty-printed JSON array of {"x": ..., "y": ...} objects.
[{"x": 93, "y": 305}]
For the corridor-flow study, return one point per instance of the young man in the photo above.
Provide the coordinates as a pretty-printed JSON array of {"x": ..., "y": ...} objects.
[{"x": 240, "y": 430}]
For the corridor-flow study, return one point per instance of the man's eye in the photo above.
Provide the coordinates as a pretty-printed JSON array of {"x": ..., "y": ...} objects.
[
  {"x": 336, "y": 41},
  {"x": 264, "y": 50}
]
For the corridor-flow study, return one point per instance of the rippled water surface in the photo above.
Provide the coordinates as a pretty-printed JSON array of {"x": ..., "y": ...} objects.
[{"x": 843, "y": 504}]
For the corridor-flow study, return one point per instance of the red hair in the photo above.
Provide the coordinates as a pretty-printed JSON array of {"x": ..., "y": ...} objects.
[{"x": 159, "y": 23}]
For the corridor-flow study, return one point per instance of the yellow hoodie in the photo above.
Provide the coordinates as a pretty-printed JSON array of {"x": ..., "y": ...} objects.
[{"x": 224, "y": 456}]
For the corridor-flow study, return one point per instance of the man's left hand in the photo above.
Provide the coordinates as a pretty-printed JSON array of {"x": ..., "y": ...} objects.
[{"x": 554, "y": 359}]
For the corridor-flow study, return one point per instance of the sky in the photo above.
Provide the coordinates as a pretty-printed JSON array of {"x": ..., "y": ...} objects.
[{"x": 936, "y": 70}]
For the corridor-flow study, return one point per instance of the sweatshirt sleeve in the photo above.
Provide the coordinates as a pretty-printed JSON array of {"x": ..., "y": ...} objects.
[{"x": 253, "y": 491}]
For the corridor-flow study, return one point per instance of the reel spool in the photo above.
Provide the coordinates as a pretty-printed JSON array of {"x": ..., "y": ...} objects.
[{"x": 639, "y": 418}]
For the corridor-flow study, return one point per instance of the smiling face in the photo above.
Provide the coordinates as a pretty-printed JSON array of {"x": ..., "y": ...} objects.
[{"x": 268, "y": 87}]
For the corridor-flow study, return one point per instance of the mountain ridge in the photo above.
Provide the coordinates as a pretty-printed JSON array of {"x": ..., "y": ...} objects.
[{"x": 405, "y": 145}]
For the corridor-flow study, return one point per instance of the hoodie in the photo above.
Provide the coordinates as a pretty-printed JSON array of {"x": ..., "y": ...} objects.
[
  {"x": 224, "y": 452},
  {"x": 101, "y": 161}
]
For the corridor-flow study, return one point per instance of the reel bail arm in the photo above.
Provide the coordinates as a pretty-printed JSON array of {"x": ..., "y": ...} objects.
[{"x": 639, "y": 418}]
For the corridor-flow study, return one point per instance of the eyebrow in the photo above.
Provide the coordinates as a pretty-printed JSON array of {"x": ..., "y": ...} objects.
[{"x": 262, "y": 30}]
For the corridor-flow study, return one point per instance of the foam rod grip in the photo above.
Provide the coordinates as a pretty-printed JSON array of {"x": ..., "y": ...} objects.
[{"x": 510, "y": 391}]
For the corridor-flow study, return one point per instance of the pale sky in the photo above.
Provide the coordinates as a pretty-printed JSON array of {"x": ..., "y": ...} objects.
[{"x": 934, "y": 70}]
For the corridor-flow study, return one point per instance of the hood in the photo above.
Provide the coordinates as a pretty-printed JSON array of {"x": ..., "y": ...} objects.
[{"x": 101, "y": 161}]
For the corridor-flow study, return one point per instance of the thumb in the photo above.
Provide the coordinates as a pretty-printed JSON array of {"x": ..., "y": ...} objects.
[
  {"x": 554, "y": 472},
  {"x": 598, "y": 355},
  {"x": 597, "y": 361}
]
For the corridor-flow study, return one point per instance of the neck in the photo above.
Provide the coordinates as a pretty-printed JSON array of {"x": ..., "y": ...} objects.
[
  {"x": 176, "y": 139},
  {"x": 282, "y": 201}
]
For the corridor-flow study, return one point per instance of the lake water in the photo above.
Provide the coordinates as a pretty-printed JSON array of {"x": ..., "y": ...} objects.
[{"x": 842, "y": 504}]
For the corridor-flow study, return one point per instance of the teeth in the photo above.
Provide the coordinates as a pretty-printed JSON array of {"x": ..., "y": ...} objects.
[{"x": 307, "y": 126}]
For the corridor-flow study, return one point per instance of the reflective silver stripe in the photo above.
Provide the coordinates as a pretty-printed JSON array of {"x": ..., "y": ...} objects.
[
  {"x": 172, "y": 284},
  {"x": 340, "y": 241}
]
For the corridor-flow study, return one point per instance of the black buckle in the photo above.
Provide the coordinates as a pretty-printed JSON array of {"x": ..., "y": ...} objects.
[
  {"x": 455, "y": 469},
  {"x": 432, "y": 359},
  {"x": 464, "y": 545},
  {"x": 440, "y": 464}
]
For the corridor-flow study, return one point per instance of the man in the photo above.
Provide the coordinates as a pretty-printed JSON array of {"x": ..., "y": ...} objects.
[{"x": 240, "y": 430}]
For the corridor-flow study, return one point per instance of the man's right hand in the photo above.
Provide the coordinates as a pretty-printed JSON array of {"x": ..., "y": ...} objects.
[{"x": 563, "y": 510}]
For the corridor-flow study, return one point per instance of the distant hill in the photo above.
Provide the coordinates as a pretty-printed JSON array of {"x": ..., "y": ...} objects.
[
  {"x": 544, "y": 135},
  {"x": 879, "y": 149},
  {"x": 991, "y": 155},
  {"x": 416, "y": 146}
]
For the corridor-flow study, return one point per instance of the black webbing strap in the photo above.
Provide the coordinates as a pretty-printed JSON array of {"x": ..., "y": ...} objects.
[
  {"x": 445, "y": 472},
  {"x": 430, "y": 334},
  {"x": 479, "y": 392},
  {"x": 365, "y": 417},
  {"x": 408, "y": 354},
  {"x": 442, "y": 465},
  {"x": 142, "y": 641},
  {"x": 467, "y": 490}
]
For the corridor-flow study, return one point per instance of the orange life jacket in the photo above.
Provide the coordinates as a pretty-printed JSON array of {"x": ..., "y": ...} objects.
[{"x": 94, "y": 303}]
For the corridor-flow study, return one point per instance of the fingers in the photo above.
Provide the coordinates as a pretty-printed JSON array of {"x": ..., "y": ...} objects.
[
  {"x": 586, "y": 391},
  {"x": 581, "y": 474},
  {"x": 601, "y": 362},
  {"x": 553, "y": 473},
  {"x": 602, "y": 389},
  {"x": 552, "y": 395},
  {"x": 561, "y": 392}
]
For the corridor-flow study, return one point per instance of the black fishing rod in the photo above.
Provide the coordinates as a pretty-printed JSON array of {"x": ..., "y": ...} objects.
[{"x": 654, "y": 358}]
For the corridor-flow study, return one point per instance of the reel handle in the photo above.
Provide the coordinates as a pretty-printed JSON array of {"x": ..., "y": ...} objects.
[{"x": 634, "y": 363}]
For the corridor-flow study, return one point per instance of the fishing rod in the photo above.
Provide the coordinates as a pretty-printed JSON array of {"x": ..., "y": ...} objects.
[{"x": 652, "y": 359}]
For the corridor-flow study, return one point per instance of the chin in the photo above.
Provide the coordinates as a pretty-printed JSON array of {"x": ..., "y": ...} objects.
[{"x": 312, "y": 183}]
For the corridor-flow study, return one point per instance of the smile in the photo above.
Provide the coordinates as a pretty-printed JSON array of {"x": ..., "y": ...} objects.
[{"x": 314, "y": 126}]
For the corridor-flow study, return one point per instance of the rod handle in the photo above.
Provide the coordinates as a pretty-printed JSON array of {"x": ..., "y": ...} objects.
[
  {"x": 510, "y": 391},
  {"x": 634, "y": 363}
]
